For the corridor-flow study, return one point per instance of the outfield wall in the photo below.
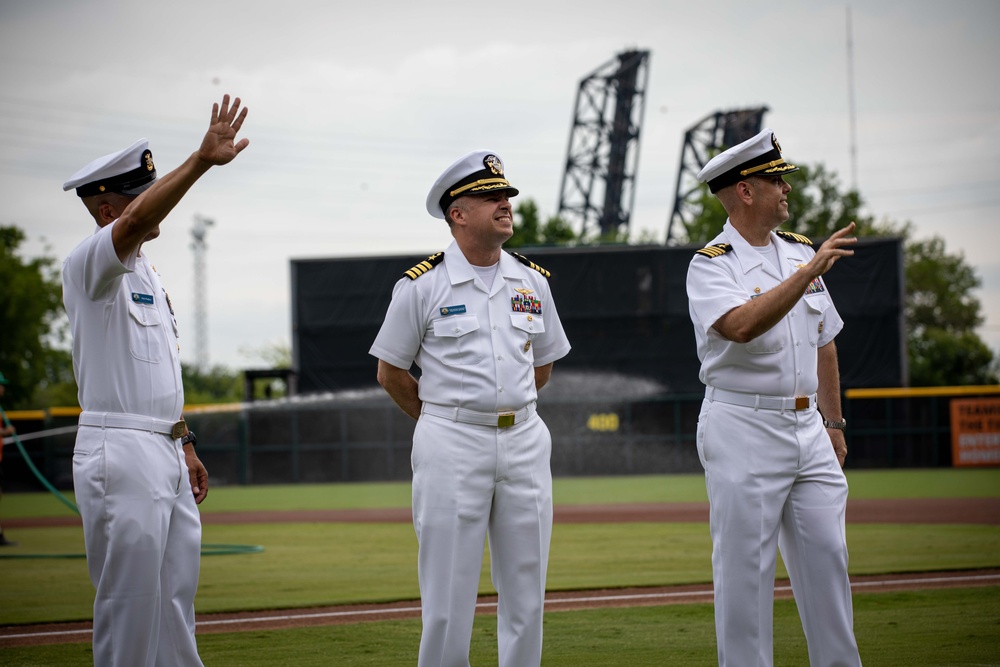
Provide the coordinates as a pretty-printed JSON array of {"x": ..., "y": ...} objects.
[{"x": 363, "y": 436}]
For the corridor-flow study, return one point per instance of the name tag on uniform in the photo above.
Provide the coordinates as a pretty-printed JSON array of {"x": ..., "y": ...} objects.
[
  {"x": 142, "y": 298},
  {"x": 453, "y": 310}
]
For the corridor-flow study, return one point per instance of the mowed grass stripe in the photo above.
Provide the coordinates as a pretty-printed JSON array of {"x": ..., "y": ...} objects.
[
  {"x": 913, "y": 483},
  {"x": 320, "y": 564},
  {"x": 955, "y": 627}
]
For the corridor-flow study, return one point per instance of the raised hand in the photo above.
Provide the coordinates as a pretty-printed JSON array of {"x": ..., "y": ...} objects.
[
  {"x": 833, "y": 249},
  {"x": 219, "y": 145}
]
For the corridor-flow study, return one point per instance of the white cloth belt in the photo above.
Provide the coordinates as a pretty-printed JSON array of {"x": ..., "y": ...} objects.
[
  {"x": 137, "y": 422},
  {"x": 760, "y": 401},
  {"x": 497, "y": 419}
]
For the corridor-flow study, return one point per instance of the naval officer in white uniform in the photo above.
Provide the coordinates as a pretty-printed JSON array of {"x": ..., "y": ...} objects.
[
  {"x": 771, "y": 432},
  {"x": 483, "y": 328},
  {"x": 135, "y": 471}
]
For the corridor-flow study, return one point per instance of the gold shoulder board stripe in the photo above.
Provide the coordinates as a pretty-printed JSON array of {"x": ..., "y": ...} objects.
[
  {"x": 527, "y": 262},
  {"x": 424, "y": 266},
  {"x": 714, "y": 251},
  {"x": 793, "y": 237}
]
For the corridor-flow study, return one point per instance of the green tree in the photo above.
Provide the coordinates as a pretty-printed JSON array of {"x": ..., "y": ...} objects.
[
  {"x": 30, "y": 308},
  {"x": 941, "y": 316},
  {"x": 941, "y": 310},
  {"x": 217, "y": 384},
  {"x": 58, "y": 386},
  {"x": 529, "y": 230}
]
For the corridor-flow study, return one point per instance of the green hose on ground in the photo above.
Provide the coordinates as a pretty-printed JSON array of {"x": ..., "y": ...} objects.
[{"x": 206, "y": 549}]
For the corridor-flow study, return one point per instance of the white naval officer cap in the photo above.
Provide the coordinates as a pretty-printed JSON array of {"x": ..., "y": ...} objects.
[
  {"x": 477, "y": 172},
  {"x": 129, "y": 172},
  {"x": 759, "y": 155}
]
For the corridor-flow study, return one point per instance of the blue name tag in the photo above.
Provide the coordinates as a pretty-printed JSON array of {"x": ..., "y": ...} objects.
[
  {"x": 453, "y": 310},
  {"x": 142, "y": 298}
]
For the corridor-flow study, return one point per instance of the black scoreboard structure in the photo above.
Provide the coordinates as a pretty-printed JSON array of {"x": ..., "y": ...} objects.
[{"x": 624, "y": 309}]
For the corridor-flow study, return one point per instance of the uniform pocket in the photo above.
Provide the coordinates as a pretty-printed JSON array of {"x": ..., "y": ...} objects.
[
  {"x": 817, "y": 305},
  {"x": 700, "y": 437},
  {"x": 457, "y": 341},
  {"x": 528, "y": 323},
  {"x": 769, "y": 342},
  {"x": 89, "y": 469},
  {"x": 145, "y": 332},
  {"x": 528, "y": 326}
]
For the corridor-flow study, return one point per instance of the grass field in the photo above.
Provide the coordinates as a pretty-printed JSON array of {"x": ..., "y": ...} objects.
[{"x": 325, "y": 563}]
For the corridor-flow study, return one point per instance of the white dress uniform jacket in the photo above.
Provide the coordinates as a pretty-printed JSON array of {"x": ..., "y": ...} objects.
[
  {"x": 772, "y": 476},
  {"x": 141, "y": 523},
  {"x": 472, "y": 474},
  {"x": 780, "y": 362},
  {"x": 476, "y": 348}
]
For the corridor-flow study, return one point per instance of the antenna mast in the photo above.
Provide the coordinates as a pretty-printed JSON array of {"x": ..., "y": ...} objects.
[
  {"x": 201, "y": 225},
  {"x": 850, "y": 103}
]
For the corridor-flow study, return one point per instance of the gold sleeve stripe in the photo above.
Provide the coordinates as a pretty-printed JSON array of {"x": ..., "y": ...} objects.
[
  {"x": 527, "y": 262},
  {"x": 424, "y": 266},
  {"x": 795, "y": 238},
  {"x": 714, "y": 251}
]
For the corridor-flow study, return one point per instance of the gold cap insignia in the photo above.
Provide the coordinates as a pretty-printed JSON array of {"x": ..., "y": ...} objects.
[{"x": 493, "y": 163}]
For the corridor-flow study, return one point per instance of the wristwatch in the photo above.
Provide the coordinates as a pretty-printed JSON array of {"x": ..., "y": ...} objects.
[
  {"x": 841, "y": 425},
  {"x": 189, "y": 437}
]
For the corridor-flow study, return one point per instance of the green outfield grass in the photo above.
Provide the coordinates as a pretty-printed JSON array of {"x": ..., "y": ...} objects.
[
  {"x": 913, "y": 483},
  {"x": 954, "y": 628},
  {"x": 326, "y": 563}
]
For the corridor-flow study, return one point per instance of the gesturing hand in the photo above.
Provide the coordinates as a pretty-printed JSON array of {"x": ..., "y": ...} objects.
[
  {"x": 832, "y": 250},
  {"x": 218, "y": 146}
]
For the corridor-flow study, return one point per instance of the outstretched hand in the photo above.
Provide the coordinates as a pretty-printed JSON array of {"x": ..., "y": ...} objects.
[
  {"x": 219, "y": 145},
  {"x": 833, "y": 249}
]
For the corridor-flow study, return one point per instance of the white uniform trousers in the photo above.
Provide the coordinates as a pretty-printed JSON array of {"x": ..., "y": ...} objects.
[
  {"x": 143, "y": 534},
  {"x": 773, "y": 480},
  {"x": 470, "y": 481}
]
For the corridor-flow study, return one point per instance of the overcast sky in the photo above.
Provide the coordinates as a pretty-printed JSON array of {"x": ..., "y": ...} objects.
[{"x": 355, "y": 108}]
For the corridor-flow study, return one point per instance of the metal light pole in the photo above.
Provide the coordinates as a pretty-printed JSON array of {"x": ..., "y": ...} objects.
[{"x": 201, "y": 225}]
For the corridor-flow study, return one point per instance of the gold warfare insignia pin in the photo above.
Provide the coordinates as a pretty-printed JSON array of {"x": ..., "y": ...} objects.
[
  {"x": 493, "y": 163},
  {"x": 523, "y": 290}
]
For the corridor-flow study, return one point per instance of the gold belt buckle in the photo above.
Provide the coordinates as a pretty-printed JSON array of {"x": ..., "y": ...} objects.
[
  {"x": 505, "y": 420},
  {"x": 801, "y": 402},
  {"x": 177, "y": 430}
]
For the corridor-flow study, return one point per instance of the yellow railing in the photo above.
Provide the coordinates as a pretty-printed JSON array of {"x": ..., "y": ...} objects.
[{"x": 909, "y": 392}]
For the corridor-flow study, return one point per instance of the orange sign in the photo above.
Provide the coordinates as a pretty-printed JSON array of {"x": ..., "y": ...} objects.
[{"x": 975, "y": 432}]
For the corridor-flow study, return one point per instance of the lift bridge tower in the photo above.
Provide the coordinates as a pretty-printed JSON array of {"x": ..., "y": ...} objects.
[
  {"x": 710, "y": 136},
  {"x": 598, "y": 185}
]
